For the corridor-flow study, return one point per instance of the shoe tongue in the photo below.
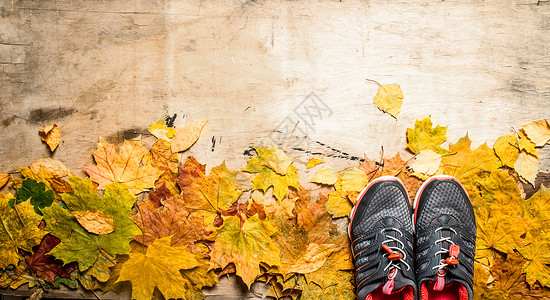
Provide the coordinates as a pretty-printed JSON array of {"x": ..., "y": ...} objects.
[{"x": 400, "y": 282}]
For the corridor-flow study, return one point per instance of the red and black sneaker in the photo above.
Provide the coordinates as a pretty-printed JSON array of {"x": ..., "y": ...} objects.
[
  {"x": 445, "y": 240},
  {"x": 381, "y": 234}
]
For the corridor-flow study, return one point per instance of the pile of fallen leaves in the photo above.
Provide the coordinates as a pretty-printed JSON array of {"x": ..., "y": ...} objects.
[{"x": 170, "y": 228}]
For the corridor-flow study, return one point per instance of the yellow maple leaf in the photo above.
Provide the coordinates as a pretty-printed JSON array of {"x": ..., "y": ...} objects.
[
  {"x": 326, "y": 175},
  {"x": 537, "y": 254},
  {"x": 161, "y": 157},
  {"x": 486, "y": 188},
  {"x": 463, "y": 162},
  {"x": 313, "y": 258},
  {"x": 426, "y": 162},
  {"x": 187, "y": 136},
  {"x": 497, "y": 230},
  {"x": 389, "y": 98},
  {"x": 159, "y": 267},
  {"x": 123, "y": 166},
  {"x": 161, "y": 131},
  {"x": 207, "y": 195},
  {"x": 246, "y": 245},
  {"x": 538, "y": 209},
  {"x": 538, "y": 132},
  {"x": 279, "y": 162},
  {"x": 507, "y": 149},
  {"x": 18, "y": 230},
  {"x": 423, "y": 136},
  {"x": 314, "y": 162},
  {"x": 50, "y": 135},
  {"x": 527, "y": 166},
  {"x": 283, "y": 207}
]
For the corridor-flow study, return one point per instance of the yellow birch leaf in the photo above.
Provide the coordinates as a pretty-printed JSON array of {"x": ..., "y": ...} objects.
[
  {"x": 123, "y": 166},
  {"x": 426, "y": 162},
  {"x": 50, "y": 135},
  {"x": 423, "y": 136},
  {"x": 4, "y": 178},
  {"x": 279, "y": 162},
  {"x": 53, "y": 167},
  {"x": 354, "y": 180},
  {"x": 526, "y": 145},
  {"x": 159, "y": 267},
  {"x": 245, "y": 245},
  {"x": 326, "y": 175},
  {"x": 507, "y": 149},
  {"x": 313, "y": 162},
  {"x": 389, "y": 99},
  {"x": 527, "y": 166},
  {"x": 187, "y": 136},
  {"x": 538, "y": 132},
  {"x": 313, "y": 258},
  {"x": 338, "y": 205},
  {"x": 95, "y": 221},
  {"x": 161, "y": 131},
  {"x": 537, "y": 254}
]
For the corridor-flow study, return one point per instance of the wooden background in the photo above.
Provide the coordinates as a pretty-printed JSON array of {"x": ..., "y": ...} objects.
[{"x": 109, "y": 68}]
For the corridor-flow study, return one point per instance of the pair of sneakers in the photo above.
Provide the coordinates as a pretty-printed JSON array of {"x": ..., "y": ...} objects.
[{"x": 395, "y": 261}]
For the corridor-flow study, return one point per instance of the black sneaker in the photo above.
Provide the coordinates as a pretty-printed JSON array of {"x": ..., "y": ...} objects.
[
  {"x": 445, "y": 240},
  {"x": 381, "y": 234}
]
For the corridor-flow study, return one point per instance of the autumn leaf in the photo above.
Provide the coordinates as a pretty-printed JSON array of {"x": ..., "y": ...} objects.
[
  {"x": 487, "y": 188},
  {"x": 538, "y": 209},
  {"x": 161, "y": 157},
  {"x": 267, "y": 177},
  {"x": 77, "y": 244},
  {"x": 50, "y": 135},
  {"x": 537, "y": 254},
  {"x": 527, "y": 166},
  {"x": 36, "y": 192},
  {"x": 496, "y": 230},
  {"x": 340, "y": 260},
  {"x": 463, "y": 162},
  {"x": 314, "y": 162},
  {"x": 51, "y": 167},
  {"x": 423, "y": 136},
  {"x": 172, "y": 220},
  {"x": 525, "y": 144},
  {"x": 389, "y": 98},
  {"x": 354, "y": 180},
  {"x": 18, "y": 230},
  {"x": 123, "y": 166},
  {"x": 507, "y": 149},
  {"x": 4, "y": 178},
  {"x": 340, "y": 289},
  {"x": 426, "y": 162},
  {"x": 279, "y": 162},
  {"x": 338, "y": 205},
  {"x": 187, "y": 136},
  {"x": 45, "y": 265},
  {"x": 95, "y": 221},
  {"x": 538, "y": 132},
  {"x": 159, "y": 267},
  {"x": 313, "y": 258},
  {"x": 283, "y": 208},
  {"x": 161, "y": 131},
  {"x": 99, "y": 271},
  {"x": 207, "y": 195},
  {"x": 326, "y": 175},
  {"x": 247, "y": 245}
]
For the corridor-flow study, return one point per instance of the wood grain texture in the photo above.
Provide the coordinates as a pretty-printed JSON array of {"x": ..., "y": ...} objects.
[{"x": 109, "y": 68}]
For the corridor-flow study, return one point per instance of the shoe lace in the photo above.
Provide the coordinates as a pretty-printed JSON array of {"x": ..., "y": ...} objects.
[
  {"x": 396, "y": 255},
  {"x": 452, "y": 258}
]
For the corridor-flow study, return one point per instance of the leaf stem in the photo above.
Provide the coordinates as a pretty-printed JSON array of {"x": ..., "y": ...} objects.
[
  {"x": 95, "y": 294},
  {"x": 370, "y": 80},
  {"x": 17, "y": 212},
  {"x": 106, "y": 256}
]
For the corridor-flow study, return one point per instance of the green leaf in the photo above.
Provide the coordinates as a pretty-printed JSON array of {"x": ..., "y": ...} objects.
[
  {"x": 36, "y": 191},
  {"x": 77, "y": 244}
]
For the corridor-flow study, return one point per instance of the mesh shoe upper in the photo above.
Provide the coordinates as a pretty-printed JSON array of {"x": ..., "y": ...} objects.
[
  {"x": 445, "y": 225},
  {"x": 381, "y": 228}
]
